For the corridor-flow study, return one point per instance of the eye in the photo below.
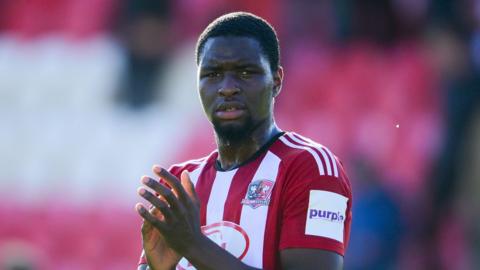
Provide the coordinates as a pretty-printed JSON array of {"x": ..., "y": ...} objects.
[
  {"x": 210, "y": 74},
  {"x": 246, "y": 74},
  {"x": 213, "y": 74}
]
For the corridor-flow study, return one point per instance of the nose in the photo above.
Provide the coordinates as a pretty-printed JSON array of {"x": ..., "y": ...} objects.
[
  {"x": 228, "y": 91},
  {"x": 228, "y": 87}
]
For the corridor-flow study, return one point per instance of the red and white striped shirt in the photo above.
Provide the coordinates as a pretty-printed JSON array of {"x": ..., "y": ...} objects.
[{"x": 293, "y": 194}]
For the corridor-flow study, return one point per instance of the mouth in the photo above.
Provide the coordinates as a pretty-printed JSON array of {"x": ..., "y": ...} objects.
[{"x": 230, "y": 110}]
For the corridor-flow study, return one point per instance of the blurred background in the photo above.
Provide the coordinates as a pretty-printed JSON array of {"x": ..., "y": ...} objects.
[{"x": 93, "y": 92}]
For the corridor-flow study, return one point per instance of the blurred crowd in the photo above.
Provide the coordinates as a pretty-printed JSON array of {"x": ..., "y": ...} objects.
[{"x": 93, "y": 92}]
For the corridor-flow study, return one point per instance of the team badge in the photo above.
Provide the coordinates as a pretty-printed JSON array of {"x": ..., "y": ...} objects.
[{"x": 258, "y": 193}]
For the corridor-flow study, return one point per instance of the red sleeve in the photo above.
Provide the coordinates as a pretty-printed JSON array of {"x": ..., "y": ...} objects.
[{"x": 316, "y": 208}]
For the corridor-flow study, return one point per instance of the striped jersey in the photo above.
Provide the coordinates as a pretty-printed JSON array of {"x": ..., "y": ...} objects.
[{"x": 294, "y": 193}]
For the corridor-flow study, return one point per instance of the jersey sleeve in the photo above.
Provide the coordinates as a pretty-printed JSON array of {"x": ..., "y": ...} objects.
[{"x": 316, "y": 208}]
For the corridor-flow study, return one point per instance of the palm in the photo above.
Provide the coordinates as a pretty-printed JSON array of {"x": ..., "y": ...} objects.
[
  {"x": 156, "y": 249},
  {"x": 180, "y": 205}
]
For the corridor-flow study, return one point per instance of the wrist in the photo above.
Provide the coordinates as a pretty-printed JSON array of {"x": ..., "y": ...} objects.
[
  {"x": 203, "y": 253},
  {"x": 161, "y": 265},
  {"x": 161, "y": 260},
  {"x": 195, "y": 246}
]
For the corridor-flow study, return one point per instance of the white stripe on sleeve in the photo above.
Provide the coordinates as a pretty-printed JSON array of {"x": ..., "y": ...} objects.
[
  {"x": 324, "y": 154},
  {"x": 313, "y": 153}
]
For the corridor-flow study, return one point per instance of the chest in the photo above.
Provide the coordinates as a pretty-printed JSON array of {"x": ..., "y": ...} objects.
[{"x": 235, "y": 208}]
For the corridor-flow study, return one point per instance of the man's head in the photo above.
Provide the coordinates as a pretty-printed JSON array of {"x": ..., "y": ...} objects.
[
  {"x": 243, "y": 24},
  {"x": 238, "y": 74}
]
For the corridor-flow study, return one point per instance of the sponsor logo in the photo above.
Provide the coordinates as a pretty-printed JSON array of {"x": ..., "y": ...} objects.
[
  {"x": 258, "y": 193},
  {"x": 325, "y": 215},
  {"x": 226, "y": 234}
]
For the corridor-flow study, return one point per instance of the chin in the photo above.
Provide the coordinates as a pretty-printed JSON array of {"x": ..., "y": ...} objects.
[{"x": 233, "y": 131}]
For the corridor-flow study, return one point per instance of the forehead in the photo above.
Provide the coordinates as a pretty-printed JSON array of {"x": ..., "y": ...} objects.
[{"x": 219, "y": 50}]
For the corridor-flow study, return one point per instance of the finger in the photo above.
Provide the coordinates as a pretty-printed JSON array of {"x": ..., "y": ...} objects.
[
  {"x": 172, "y": 180},
  {"x": 189, "y": 187},
  {"x": 143, "y": 212},
  {"x": 158, "y": 204},
  {"x": 146, "y": 226},
  {"x": 165, "y": 192},
  {"x": 154, "y": 211}
]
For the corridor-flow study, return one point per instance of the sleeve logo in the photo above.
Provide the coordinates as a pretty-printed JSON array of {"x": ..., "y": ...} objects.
[
  {"x": 258, "y": 193},
  {"x": 326, "y": 214}
]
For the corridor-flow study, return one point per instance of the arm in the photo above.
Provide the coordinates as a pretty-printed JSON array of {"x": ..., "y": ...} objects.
[
  {"x": 304, "y": 259},
  {"x": 208, "y": 255},
  {"x": 298, "y": 259}
]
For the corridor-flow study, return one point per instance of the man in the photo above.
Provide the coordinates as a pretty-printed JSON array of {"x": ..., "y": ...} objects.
[{"x": 265, "y": 199}]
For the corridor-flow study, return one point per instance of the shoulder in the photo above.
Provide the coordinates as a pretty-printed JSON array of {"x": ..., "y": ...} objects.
[
  {"x": 308, "y": 164},
  {"x": 300, "y": 151},
  {"x": 191, "y": 165}
]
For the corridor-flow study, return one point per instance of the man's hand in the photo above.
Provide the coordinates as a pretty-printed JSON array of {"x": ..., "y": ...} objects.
[
  {"x": 174, "y": 221},
  {"x": 159, "y": 255}
]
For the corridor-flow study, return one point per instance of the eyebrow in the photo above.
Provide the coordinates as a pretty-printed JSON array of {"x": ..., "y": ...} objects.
[{"x": 214, "y": 64}]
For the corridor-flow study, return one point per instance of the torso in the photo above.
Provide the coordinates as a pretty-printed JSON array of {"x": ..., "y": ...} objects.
[{"x": 275, "y": 201}]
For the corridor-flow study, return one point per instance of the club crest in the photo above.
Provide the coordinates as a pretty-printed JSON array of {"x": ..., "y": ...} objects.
[{"x": 258, "y": 193}]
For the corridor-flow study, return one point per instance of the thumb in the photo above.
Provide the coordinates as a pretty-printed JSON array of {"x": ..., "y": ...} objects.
[{"x": 189, "y": 187}]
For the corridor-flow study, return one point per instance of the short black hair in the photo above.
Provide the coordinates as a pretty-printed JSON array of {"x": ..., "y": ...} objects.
[{"x": 243, "y": 24}]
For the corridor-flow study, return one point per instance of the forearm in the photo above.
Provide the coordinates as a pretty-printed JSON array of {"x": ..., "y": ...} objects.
[{"x": 206, "y": 255}]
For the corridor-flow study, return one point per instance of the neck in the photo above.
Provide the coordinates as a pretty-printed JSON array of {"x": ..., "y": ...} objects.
[{"x": 231, "y": 154}]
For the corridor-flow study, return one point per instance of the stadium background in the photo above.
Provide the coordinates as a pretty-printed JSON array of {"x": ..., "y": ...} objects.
[{"x": 93, "y": 92}]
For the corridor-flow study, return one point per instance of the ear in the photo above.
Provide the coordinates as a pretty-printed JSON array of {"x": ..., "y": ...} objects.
[{"x": 277, "y": 81}]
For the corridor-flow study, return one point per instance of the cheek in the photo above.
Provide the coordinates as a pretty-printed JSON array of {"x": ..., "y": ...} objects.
[
  {"x": 262, "y": 103},
  {"x": 206, "y": 98}
]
